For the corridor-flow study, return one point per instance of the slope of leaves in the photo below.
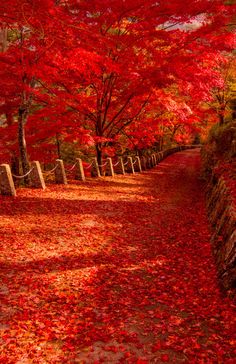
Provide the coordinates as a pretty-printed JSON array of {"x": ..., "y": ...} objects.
[{"x": 113, "y": 271}]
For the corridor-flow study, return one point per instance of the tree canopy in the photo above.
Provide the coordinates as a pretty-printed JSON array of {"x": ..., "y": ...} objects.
[{"x": 106, "y": 74}]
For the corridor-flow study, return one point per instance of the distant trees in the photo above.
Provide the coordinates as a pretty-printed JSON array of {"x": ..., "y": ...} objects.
[{"x": 223, "y": 96}]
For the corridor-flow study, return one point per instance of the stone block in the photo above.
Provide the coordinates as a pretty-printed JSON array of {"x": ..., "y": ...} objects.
[
  {"x": 95, "y": 171},
  {"x": 130, "y": 166},
  {"x": 122, "y": 165},
  {"x": 109, "y": 168},
  {"x": 138, "y": 164},
  {"x": 36, "y": 176},
  {"x": 6, "y": 181},
  {"x": 79, "y": 172},
  {"x": 60, "y": 174}
]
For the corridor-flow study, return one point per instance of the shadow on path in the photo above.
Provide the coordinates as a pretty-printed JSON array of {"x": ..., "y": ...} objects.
[{"x": 113, "y": 271}]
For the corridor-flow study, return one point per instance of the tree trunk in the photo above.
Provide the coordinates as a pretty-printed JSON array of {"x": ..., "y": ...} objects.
[
  {"x": 99, "y": 156},
  {"x": 15, "y": 168},
  {"x": 22, "y": 117},
  {"x": 221, "y": 119},
  {"x": 3, "y": 40},
  {"x": 58, "y": 146}
]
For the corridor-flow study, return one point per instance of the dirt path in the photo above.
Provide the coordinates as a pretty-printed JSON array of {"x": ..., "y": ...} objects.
[{"x": 113, "y": 271}]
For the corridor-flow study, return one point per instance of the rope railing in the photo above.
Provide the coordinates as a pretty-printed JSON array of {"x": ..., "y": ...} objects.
[
  {"x": 24, "y": 175},
  {"x": 116, "y": 164},
  {"x": 103, "y": 165},
  {"x": 89, "y": 166},
  {"x": 71, "y": 169},
  {"x": 46, "y": 173},
  {"x": 7, "y": 183}
]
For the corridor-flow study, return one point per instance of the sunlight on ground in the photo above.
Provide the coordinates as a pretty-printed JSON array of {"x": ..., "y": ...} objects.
[{"x": 113, "y": 270}]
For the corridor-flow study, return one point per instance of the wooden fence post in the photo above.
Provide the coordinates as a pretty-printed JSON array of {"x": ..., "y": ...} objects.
[
  {"x": 139, "y": 167},
  {"x": 130, "y": 166},
  {"x": 122, "y": 165},
  {"x": 36, "y": 177},
  {"x": 110, "y": 169},
  {"x": 6, "y": 181},
  {"x": 119, "y": 166},
  {"x": 95, "y": 172},
  {"x": 154, "y": 159},
  {"x": 60, "y": 174},
  {"x": 79, "y": 174},
  {"x": 158, "y": 157}
]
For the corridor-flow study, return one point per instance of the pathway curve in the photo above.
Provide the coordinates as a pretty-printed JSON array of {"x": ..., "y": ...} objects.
[{"x": 113, "y": 271}]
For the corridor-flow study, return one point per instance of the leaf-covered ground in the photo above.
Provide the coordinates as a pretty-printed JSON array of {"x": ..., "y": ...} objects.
[{"x": 113, "y": 271}]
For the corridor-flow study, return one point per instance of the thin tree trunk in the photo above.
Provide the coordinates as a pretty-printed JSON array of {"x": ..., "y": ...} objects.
[
  {"x": 221, "y": 119},
  {"x": 22, "y": 117},
  {"x": 99, "y": 156},
  {"x": 3, "y": 40},
  {"x": 58, "y": 146},
  {"x": 23, "y": 112},
  {"x": 15, "y": 167}
]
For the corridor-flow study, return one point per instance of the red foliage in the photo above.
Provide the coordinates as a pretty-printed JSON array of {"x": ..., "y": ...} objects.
[{"x": 96, "y": 65}]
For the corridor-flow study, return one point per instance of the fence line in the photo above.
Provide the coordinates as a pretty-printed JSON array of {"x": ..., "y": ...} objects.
[
  {"x": 24, "y": 175},
  {"x": 7, "y": 185},
  {"x": 46, "y": 173},
  {"x": 71, "y": 169},
  {"x": 103, "y": 165},
  {"x": 116, "y": 164},
  {"x": 89, "y": 166}
]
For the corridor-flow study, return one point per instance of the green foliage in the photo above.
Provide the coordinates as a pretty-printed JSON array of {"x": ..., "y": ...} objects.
[
  {"x": 218, "y": 147},
  {"x": 70, "y": 151},
  {"x": 220, "y": 139}
]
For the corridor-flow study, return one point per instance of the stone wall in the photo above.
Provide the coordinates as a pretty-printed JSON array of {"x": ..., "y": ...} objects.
[
  {"x": 222, "y": 215},
  {"x": 220, "y": 175}
]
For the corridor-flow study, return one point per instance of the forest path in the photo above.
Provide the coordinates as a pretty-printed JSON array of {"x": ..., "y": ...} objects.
[{"x": 113, "y": 271}]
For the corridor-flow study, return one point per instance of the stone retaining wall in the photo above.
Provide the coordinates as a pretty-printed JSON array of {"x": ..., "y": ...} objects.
[{"x": 222, "y": 215}]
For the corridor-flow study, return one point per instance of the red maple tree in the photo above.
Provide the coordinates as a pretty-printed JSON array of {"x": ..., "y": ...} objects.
[{"x": 92, "y": 69}]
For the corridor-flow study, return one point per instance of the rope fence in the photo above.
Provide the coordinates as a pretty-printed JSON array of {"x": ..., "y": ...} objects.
[
  {"x": 89, "y": 166},
  {"x": 7, "y": 186},
  {"x": 73, "y": 167},
  {"x": 103, "y": 165},
  {"x": 46, "y": 173},
  {"x": 24, "y": 175}
]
